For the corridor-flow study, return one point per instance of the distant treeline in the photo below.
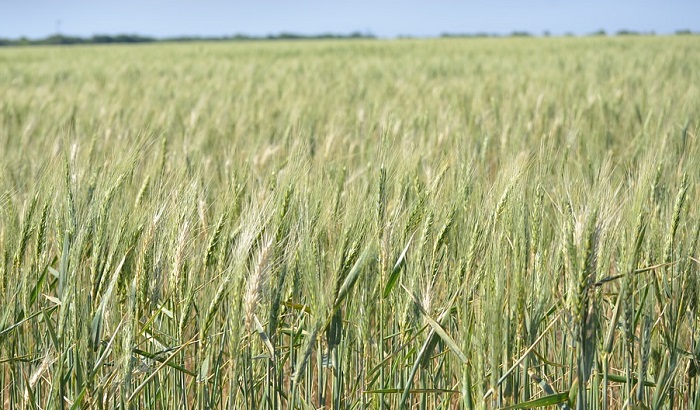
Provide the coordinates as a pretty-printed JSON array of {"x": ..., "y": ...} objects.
[
  {"x": 547, "y": 34},
  {"x": 60, "y": 39}
]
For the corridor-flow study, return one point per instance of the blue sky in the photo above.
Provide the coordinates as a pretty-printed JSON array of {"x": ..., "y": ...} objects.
[{"x": 390, "y": 18}]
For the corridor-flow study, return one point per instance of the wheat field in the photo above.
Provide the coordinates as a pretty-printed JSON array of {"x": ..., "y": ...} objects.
[{"x": 405, "y": 224}]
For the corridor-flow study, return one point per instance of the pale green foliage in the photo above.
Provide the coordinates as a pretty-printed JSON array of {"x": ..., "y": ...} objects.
[{"x": 351, "y": 224}]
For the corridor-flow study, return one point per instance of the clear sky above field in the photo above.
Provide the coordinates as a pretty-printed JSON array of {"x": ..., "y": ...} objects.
[{"x": 389, "y": 18}]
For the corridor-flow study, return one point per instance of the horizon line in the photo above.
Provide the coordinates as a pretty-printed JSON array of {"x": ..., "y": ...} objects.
[{"x": 290, "y": 35}]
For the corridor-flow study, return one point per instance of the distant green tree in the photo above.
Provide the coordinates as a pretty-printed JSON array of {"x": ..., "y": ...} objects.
[
  {"x": 625, "y": 32},
  {"x": 684, "y": 32},
  {"x": 520, "y": 34}
]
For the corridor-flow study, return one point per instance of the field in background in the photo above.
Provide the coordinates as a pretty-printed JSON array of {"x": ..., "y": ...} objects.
[{"x": 354, "y": 224}]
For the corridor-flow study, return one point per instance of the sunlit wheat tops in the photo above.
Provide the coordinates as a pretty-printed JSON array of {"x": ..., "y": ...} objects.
[{"x": 436, "y": 224}]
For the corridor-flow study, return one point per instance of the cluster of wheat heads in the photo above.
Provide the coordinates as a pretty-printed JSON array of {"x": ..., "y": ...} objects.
[{"x": 493, "y": 223}]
